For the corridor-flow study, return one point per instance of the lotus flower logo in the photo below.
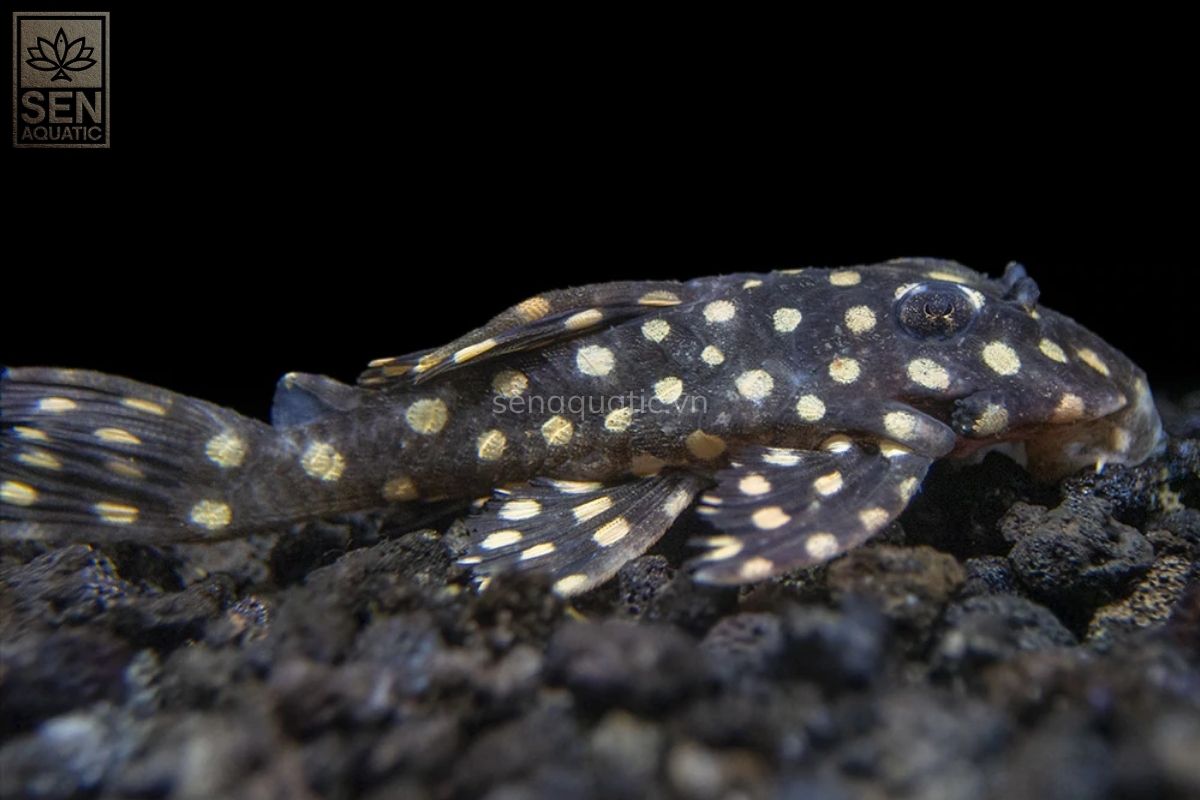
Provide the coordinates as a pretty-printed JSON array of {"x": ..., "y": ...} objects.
[{"x": 61, "y": 56}]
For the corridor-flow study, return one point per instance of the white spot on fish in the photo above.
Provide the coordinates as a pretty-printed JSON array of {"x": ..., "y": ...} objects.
[
  {"x": 510, "y": 383},
  {"x": 899, "y": 424},
  {"x": 821, "y": 545},
  {"x": 557, "y": 431},
  {"x": 137, "y": 404},
  {"x": 323, "y": 462},
  {"x": 674, "y": 505},
  {"x": 712, "y": 356},
  {"x": 515, "y": 510},
  {"x": 592, "y": 508},
  {"x": 611, "y": 532},
  {"x": 584, "y": 319},
  {"x": 859, "y": 319},
  {"x": 619, "y": 419},
  {"x": 17, "y": 494},
  {"x": 56, "y": 405},
  {"x": 116, "y": 513},
  {"x": 719, "y": 311},
  {"x": 754, "y": 384},
  {"x": 1001, "y": 358},
  {"x": 116, "y": 436},
  {"x": 785, "y": 320},
  {"x": 1069, "y": 408},
  {"x": 1052, "y": 351},
  {"x": 533, "y": 309},
  {"x": 400, "y": 489},
  {"x": 928, "y": 373},
  {"x": 473, "y": 350},
  {"x": 504, "y": 538},
  {"x": 570, "y": 584},
  {"x": 828, "y": 484},
  {"x": 754, "y": 484},
  {"x": 226, "y": 450},
  {"x": 844, "y": 370},
  {"x": 427, "y": 416},
  {"x": 656, "y": 329},
  {"x": 211, "y": 514},
  {"x": 756, "y": 569},
  {"x": 659, "y": 298},
  {"x": 873, "y": 519},
  {"x": 40, "y": 459},
  {"x": 668, "y": 390},
  {"x": 770, "y": 518},
  {"x": 1094, "y": 361},
  {"x": 724, "y": 547},
  {"x": 594, "y": 360},
  {"x": 991, "y": 421},
  {"x": 537, "y": 551},
  {"x": 810, "y": 408},
  {"x": 781, "y": 457}
]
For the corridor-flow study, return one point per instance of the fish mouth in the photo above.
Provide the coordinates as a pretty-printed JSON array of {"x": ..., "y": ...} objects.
[
  {"x": 1120, "y": 431},
  {"x": 1116, "y": 427}
]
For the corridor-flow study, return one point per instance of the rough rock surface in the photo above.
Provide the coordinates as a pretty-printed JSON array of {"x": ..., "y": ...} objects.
[{"x": 1005, "y": 639}]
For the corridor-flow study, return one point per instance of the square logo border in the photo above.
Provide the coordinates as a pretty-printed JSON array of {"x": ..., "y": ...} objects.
[{"x": 106, "y": 26}]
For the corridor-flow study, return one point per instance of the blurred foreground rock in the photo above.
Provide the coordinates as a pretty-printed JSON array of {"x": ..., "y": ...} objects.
[{"x": 1004, "y": 640}]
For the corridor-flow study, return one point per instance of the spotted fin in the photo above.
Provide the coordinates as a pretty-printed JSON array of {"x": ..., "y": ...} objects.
[
  {"x": 579, "y": 532},
  {"x": 88, "y": 456},
  {"x": 302, "y": 398},
  {"x": 531, "y": 324},
  {"x": 780, "y": 509}
]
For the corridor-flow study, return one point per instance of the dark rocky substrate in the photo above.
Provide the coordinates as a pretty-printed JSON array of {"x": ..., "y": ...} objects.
[{"x": 1004, "y": 639}]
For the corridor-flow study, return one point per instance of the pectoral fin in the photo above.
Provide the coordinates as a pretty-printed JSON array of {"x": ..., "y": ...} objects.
[
  {"x": 781, "y": 509},
  {"x": 579, "y": 532}
]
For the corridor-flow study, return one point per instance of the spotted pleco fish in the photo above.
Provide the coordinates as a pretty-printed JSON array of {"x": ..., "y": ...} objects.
[{"x": 797, "y": 410}]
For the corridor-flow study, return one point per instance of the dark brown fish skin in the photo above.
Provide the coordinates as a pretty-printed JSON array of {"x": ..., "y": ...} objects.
[{"x": 811, "y": 402}]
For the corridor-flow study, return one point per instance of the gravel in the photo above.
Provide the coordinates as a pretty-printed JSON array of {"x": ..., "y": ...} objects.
[{"x": 1005, "y": 639}]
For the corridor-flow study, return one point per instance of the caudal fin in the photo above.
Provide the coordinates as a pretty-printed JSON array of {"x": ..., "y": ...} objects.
[{"x": 84, "y": 455}]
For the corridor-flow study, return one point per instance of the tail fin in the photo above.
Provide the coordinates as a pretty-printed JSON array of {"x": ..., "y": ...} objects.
[{"x": 84, "y": 455}]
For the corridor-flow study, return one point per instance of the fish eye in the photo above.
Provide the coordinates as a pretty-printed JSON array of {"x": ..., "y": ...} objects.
[
  {"x": 937, "y": 305},
  {"x": 934, "y": 311}
]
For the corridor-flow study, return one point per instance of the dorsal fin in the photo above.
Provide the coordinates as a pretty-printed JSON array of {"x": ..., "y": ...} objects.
[
  {"x": 301, "y": 398},
  {"x": 536, "y": 322}
]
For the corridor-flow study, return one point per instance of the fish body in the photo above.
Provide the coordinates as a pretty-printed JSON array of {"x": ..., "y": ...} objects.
[{"x": 798, "y": 410}]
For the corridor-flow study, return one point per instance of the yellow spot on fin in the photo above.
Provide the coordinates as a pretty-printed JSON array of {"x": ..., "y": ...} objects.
[
  {"x": 56, "y": 405},
  {"x": 659, "y": 298},
  {"x": 211, "y": 514},
  {"x": 227, "y": 450},
  {"x": 571, "y": 584},
  {"x": 39, "y": 458},
  {"x": 533, "y": 309},
  {"x": 116, "y": 513},
  {"x": 137, "y": 404},
  {"x": 116, "y": 436},
  {"x": 17, "y": 494},
  {"x": 473, "y": 350}
]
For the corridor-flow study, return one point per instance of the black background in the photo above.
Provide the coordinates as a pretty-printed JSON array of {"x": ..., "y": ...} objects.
[{"x": 307, "y": 190}]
